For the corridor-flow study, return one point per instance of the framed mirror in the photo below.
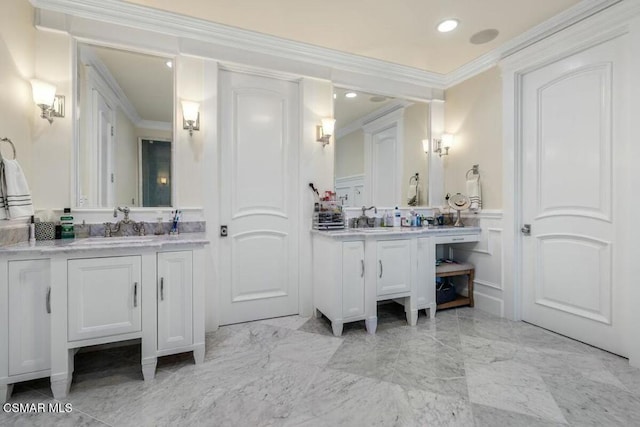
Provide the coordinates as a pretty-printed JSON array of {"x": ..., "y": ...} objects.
[
  {"x": 124, "y": 136},
  {"x": 379, "y": 154}
]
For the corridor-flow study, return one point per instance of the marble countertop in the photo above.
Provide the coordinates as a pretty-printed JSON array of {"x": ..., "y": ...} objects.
[
  {"x": 397, "y": 231},
  {"x": 43, "y": 247}
]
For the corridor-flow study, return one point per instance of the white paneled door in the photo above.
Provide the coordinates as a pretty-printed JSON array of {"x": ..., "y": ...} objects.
[
  {"x": 574, "y": 130},
  {"x": 259, "y": 204}
]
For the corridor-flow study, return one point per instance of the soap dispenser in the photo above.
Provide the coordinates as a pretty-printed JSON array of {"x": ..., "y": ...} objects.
[{"x": 397, "y": 218}]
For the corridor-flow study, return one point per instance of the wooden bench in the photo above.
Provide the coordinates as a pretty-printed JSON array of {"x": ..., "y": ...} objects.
[{"x": 457, "y": 269}]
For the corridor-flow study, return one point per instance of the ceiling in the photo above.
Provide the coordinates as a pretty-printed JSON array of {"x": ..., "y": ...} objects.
[
  {"x": 146, "y": 81},
  {"x": 402, "y": 32}
]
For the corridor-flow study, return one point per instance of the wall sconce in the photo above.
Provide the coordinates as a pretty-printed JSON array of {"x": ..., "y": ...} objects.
[
  {"x": 190, "y": 116},
  {"x": 324, "y": 131},
  {"x": 443, "y": 144},
  {"x": 425, "y": 145},
  {"x": 162, "y": 180},
  {"x": 44, "y": 96}
]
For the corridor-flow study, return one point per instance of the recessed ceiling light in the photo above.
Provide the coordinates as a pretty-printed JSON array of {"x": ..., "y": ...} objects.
[
  {"x": 350, "y": 95},
  {"x": 169, "y": 63},
  {"x": 378, "y": 98},
  {"x": 447, "y": 25},
  {"x": 484, "y": 36}
]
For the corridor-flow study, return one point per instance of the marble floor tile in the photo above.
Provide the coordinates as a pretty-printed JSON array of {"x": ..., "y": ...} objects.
[
  {"x": 288, "y": 322},
  {"x": 461, "y": 368},
  {"x": 487, "y": 416},
  {"x": 589, "y": 403},
  {"x": 511, "y": 387}
]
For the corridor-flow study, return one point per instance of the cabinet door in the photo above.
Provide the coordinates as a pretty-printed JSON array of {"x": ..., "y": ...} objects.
[
  {"x": 175, "y": 302},
  {"x": 394, "y": 265},
  {"x": 104, "y": 297},
  {"x": 352, "y": 279},
  {"x": 426, "y": 286},
  {"x": 29, "y": 317}
]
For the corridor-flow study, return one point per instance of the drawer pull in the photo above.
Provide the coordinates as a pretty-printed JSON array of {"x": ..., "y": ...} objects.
[
  {"x": 135, "y": 294},
  {"x": 380, "y": 261},
  {"x": 361, "y": 268},
  {"x": 457, "y": 239},
  {"x": 48, "y": 303},
  {"x": 162, "y": 289}
]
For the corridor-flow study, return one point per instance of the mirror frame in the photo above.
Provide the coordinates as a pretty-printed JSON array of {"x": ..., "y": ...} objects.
[{"x": 75, "y": 146}]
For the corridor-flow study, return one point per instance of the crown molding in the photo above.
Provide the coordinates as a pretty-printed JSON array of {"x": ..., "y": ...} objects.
[
  {"x": 376, "y": 114},
  {"x": 190, "y": 28},
  {"x": 559, "y": 22},
  {"x": 167, "y": 23}
]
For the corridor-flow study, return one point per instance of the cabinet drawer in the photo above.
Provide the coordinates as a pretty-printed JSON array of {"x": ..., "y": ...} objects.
[
  {"x": 460, "y": 238},
  {"x": 104, "y": 297}
]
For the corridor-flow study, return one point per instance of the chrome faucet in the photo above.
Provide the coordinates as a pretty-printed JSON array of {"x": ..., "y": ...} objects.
[
  {"x": 363, "y": 220},
  {"x": 124, "y": 227}
]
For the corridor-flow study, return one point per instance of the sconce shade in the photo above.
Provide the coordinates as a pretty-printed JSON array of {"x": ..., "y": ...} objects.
[
  {"x": 190, "y": 110},
  {"x": 425, "y": 145},
  {"x": 328, "y": 126},
  {"x": 447, "y": 140},
  {"x": 43, "y": 93}
]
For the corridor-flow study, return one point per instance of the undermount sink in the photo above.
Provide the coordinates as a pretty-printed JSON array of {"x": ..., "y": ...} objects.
[{"x": 113, "y": 240}]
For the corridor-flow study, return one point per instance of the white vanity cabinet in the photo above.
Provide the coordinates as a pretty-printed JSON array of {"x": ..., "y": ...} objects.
[
  {"x": 339, "y": 290},
  {"x": 175, "y": 300},
  {"x": 394, "y": 267},
  {"x": 104, "y": 297},
  {"x": 64, "y": 295}
]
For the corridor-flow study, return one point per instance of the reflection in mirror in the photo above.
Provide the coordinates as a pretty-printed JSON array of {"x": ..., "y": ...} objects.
[
  {"x": 379, "y": 150},
  {"x": 125, "y": 128}
]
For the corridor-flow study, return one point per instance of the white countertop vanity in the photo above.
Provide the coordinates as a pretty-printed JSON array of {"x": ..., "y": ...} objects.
[
  {"x": 63, "y": 295},
  {"x": 353, "y": 269}
]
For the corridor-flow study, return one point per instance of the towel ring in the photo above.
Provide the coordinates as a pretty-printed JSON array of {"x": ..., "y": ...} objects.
[
  {"x": 474, "y": 171},
  {"x": 12, "y": 146}
]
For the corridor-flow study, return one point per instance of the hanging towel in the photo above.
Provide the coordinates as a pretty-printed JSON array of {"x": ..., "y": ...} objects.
[
  {"x": 474, "y": 191},
  {"x": 413, "y": 195},
  {"x": 15, "y": 196}
]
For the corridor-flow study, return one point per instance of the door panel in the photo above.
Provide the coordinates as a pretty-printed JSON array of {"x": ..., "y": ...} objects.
[
  {"x": 570, "y": 132},
  {"x": 352, "y": 279},
  {"x": 258, "y": 164},
  {"x": 394, "y": 267},
  {"x": 175, "y": 301},
  {"x": 29, "y": 318}
]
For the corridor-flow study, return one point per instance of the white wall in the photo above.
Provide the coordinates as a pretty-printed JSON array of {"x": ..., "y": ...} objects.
[
  {"x": 126, "y": 167},
  {"x": 416, "y": 117},
  {"x": 350, "y": 154},
  {"x": 17, "y": 111},
  {"x": 473, "y": 113}
]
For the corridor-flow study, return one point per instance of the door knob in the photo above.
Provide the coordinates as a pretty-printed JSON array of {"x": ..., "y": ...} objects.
[{"x": 526, "y": 229}]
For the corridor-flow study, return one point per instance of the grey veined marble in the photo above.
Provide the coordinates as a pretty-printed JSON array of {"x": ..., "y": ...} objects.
[{"x": 463, "y": 368}]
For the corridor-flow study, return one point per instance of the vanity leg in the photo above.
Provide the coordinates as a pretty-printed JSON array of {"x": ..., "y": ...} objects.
[
  {"x": 149, "y": 368},
  {"x": 432, "y": 311},
  {"x": 371, "y": 324},
  {"x": 198, "y": 354},
  {"x": 317, "y": 314},
  {"x": 5, "y": 392},
  {"x": 412, "y": 317},
  {"x": 337, "y": 328},
  {"x": 61, "y": 383}
]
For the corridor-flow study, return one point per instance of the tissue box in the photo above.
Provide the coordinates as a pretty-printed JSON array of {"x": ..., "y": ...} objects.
[{"x": 45, "y": 230}]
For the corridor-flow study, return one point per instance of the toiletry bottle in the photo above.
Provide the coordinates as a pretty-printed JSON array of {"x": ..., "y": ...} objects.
[
  {"x": 32, "y": 231},
  {"x": 66, "y": 223},
  {"x": 397, "y": 221}
]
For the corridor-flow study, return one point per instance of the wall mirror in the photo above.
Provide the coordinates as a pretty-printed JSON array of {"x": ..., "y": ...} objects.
[
  {"x": 124, "y": 134},
  {"x": 379, "y": 150}
]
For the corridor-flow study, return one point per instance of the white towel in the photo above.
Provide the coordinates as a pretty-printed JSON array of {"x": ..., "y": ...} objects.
[
  {"x": 474, "y": 191},
  {"x": 15, "y": 196},
  {"x": 413, "y": 195}
]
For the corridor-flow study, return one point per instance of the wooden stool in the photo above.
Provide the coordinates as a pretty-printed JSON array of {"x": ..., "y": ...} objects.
[{"x": 455, "y": 269}]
